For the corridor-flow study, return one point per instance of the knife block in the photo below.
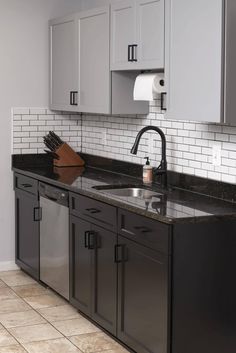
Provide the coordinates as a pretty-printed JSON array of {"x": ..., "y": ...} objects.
[
  {"x": 67, "y": 157},
  {"x": 68, "y": 175}
]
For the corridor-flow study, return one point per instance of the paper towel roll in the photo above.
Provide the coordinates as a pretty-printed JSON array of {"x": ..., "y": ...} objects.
[{"x": 148, "y": 85}]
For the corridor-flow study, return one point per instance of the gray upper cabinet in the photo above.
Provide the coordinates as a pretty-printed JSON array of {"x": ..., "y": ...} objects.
[
  {"x": 80, "y": 76},
  {"x": 63, "y": 63},
  {"x": 150, "y": 34},
  {"x": 123, "y": 34},
  {"x": 137, "y": 35},
  {"x": 93, "y": 63},
  {"x": 79, "y": 62},
  {"x": 200, "y": 60}
]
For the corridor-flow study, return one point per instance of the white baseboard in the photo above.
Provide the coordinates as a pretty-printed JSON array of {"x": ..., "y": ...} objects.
[{"x": 8, "y": 266}]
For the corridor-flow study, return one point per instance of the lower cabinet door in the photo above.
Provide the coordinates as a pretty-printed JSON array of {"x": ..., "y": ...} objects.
[
  {"x": 80, "y": 265},
  {"x": 142, "y": 298},
  {"x": 27, "y": 232},
  {"x": 104, "y": 279}
]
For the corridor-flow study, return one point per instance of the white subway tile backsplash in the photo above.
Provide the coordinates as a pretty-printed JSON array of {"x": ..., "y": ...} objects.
[
  {"x": 31, "y": 124},
  {"x": 195, "y": 164},
  {"x": 27, "y": 117},
  {"x": 29, "y": 128},
  {"x": 21, "y": 111},
  {"x": 229, "y": 146},
  {"x": 37, "y": 111},
  {"x": 189, "y": 144},
  {"x": 189, "y": 126},
  {"x": 223, "y": 137},
  {"x": 29, "y": 139},
  {"x": 232, "y": 171},
  {"x": 215, "y": 128},
  {"x": 17, "y": 117},
  {"x": 195, "y": 149},
  {"x": 28, "y": 150},
  {"x": 208, "y": 135},
  {"x": 45, "y": 117},
  {"x": 232, "y": 138},
  {"x": 52, "y": 122},
  {"x": 186, "y": 170},
  {"x": 21, "y": 123},
  {"x": 228, "y": 178},
  {"x": 20, "y": 134},
  {"x": 21, "y": 145},
  {"x": 214, "y": 175},
  {"x": 37, "y": 122},
  {"x": 201, "y": 173}
]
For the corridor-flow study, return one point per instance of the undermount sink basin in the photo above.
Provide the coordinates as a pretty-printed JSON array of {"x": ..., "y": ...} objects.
[{"x": 131, "y": 192}]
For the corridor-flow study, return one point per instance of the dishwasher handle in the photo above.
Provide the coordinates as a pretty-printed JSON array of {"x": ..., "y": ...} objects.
[
  {"x": 37, "y": 214},
  {"x": 50, "y": 197},
  {"x": 54, "y": 194}
]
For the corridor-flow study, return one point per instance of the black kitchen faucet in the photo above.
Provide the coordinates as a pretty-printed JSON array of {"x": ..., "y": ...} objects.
[{"x": 162, "y": 169}]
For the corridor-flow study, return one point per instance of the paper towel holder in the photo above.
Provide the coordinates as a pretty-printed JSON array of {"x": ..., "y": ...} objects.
[
  {"x": 162, "y": 82},
  {"x": 148, "y": 85}
]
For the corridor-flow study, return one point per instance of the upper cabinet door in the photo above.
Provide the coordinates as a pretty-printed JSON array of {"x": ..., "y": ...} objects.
[
  {"x": 194, "y": 59},
  {"x": 63, "y": 64},
  {"x": 123, "y": 35},
  {"x": 150, "y": 34},
  {"x": 137, "y": 35},
  {"x": 94, "y": 49}
]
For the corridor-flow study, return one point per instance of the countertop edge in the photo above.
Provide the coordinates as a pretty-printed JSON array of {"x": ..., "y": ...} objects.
[{"x": 119, "y": 204}]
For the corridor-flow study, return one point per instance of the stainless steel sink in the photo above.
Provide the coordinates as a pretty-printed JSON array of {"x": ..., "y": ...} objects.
[{"x": 133, "y": 192}]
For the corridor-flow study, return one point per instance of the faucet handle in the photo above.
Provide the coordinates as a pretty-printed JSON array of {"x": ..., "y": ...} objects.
[{"x": 159, "y": 170}]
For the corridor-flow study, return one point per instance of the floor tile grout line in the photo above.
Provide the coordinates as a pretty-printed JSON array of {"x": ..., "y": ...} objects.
[
  {"x": 55, "y": 327},
  {"x": 43, "y": 318},
  {"x": 47, "y": 321},
  {"x": 16, "y": 340}
]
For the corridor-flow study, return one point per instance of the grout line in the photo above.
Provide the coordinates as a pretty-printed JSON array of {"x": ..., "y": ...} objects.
[{"x": 47, "y": 321}]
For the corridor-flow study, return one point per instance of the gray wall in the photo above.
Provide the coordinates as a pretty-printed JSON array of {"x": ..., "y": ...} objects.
[{"x": 24, "y": 82}]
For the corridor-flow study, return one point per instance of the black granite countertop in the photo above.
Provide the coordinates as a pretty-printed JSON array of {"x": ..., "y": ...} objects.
[{"x": 170, "y": 206}]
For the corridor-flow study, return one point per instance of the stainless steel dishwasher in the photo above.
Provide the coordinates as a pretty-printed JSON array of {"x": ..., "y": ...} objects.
[{"x": 54, "y": 238}]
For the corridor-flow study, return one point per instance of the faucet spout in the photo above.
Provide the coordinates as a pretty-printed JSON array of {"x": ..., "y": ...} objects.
[{"x": 162, "y": 169}]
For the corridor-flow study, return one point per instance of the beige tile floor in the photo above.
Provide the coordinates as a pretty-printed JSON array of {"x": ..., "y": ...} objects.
[{"x": 34, "y": 319}]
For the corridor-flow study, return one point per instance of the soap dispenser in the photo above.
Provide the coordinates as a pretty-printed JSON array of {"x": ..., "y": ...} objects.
[{"x": 147, "y": 172}]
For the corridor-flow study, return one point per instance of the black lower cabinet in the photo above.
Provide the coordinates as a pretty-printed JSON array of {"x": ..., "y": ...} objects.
[
  {"x": 27, "y": 232},
  {"x": 80, "y": 266},
  {"x": 93, "y": 271},
  {"x": 104, "y": 273},
  {"x": 142, "y": 297}
]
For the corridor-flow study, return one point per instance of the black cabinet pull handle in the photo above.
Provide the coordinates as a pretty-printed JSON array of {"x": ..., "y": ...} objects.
[
  {"x": 118, "y": 253},
  {"x": 37, "y": 214},
  {"x": 163, "y": 94},
  {"x": 86, "y": 235},
  {"x": 73, "y": 97},
  {"x": 130, "y": 53},
  {"x": 92, "y": 240},
  {"x": 143, "y": 229},
  {"x": 134, "y": 52},
  {"x": 27, "y": 185},
  {"x": 93, "y": 210}
]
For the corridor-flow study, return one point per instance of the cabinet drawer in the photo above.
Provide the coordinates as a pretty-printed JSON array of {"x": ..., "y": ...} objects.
[
  {"x": 26, "y": 183},
  {"x": 93, "y": 211},
  {"x": 145, "y": 231}
]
